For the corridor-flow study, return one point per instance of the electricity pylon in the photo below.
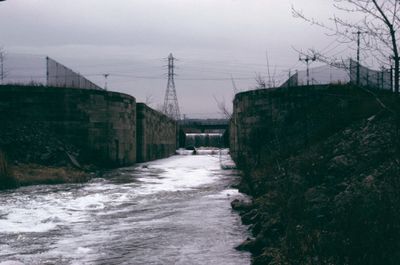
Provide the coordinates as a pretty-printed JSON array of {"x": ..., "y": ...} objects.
[{"x": 171, "y": 107}]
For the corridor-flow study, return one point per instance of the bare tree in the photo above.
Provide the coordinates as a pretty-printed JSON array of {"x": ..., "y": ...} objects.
[
  {"x": 260, "y": 81},
  {"x": 149, "y": 99},
  {"x": 221, "y": 105},
  {"x": 380, "y": 23},
  {"x": 271, "y": 77},
  {"x": 235, "y": 89}
]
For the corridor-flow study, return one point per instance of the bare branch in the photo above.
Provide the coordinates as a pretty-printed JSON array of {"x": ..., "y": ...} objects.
[
  {"x": 260, "y": 81},
  {"x": 149, "y": 100},
  {"x": 381, "y": 21},
  {"x": 268, "y": 70},
  {"x": 223, "y": 108},
  {"x": 235, "y": 90}
]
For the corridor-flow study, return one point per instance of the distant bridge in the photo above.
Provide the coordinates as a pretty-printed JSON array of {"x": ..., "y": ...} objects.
[
  {"x": 188, "y": 126},
  {"x": 203, "y": 126}
]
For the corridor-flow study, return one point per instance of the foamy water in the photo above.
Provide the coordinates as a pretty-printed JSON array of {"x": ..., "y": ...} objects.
[{"x": 170, "y": 211}]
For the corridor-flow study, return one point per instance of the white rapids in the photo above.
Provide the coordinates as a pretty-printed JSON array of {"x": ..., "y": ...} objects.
[{"x": 169, "y": 211}]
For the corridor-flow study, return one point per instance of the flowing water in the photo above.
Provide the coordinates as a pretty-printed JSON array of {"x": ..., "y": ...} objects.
[
  {"x": 169, "y": 211},
  {"x": 204, "y": 139}
]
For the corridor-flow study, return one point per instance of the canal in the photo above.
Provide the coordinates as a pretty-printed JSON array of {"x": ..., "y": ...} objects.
[{"x": 170, "y": 211}]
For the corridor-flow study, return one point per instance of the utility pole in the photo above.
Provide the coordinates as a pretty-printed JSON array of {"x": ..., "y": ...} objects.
[
  {"x": 47, "y": 71},
  {"x": 391, "y": 73},
  {"x": 358, "y": 53},
  {"x": 308, "y": 60},
  {"x": 105, "y": 80},
  {"x": 171, "y": 106},
  {"x": 2, "y": 66}
]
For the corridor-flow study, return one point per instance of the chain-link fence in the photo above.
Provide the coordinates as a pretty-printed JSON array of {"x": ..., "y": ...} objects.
[
  {"x": 370, "y": 78},
  {"x": 343, "y": 73},
  {"x": 59, "y": 75},
  {"x": 23, "y": 69}
]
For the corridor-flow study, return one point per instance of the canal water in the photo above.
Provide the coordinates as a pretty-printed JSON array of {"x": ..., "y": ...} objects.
[{"x": 169, "y": 211}]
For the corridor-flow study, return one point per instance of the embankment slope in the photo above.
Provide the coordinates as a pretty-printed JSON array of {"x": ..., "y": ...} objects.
[{"x": 323, "y": 169}]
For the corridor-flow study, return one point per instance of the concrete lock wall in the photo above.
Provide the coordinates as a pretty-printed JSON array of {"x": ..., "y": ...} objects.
[
  {"x": 156, "y": 137},
  {"x": 102, "y": 124},
  {"x": 271, "y": 122}
]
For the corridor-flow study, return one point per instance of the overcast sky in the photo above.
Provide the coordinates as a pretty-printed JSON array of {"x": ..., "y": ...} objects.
[{"x": 212, "y": 40}]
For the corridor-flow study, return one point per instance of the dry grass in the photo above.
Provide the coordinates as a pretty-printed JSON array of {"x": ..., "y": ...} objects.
[{"x": 33, "y": 174}]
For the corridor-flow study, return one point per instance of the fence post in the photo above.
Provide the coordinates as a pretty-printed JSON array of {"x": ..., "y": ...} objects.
[
  {"x": 57, "y": 74},
  {"x": 65, "y": 76},
  {"x": 391, "y": 78},
  {"x": 47, "y": 71},
  {"x": 351, "y": 71}
]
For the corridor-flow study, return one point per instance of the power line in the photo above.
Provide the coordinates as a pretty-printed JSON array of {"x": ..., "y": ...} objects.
[{"x": 329, "y": 45}]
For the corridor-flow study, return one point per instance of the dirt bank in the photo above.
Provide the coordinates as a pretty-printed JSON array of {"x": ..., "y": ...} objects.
[
  {"x": 336, "y": 201},
  {"x": 32, "y": 155},
  {"x": 34, "y": 174}
]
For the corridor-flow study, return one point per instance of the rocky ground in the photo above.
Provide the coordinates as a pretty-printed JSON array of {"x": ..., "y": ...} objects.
[
  {"x": 32, "y": 154},
  {"x": 35, "y": 143},
  {"x": 335, "y": 202}
]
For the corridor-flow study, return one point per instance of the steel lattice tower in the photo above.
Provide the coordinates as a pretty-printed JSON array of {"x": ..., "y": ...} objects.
[{"x": 171, "y": 106}]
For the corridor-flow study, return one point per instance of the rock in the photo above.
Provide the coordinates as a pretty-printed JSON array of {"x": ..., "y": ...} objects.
[
  {"x": 250, "y": 217},
  {"x": 241, "y": 205},
  {"x": 369, "y": 181},
  {"x": 46, "y": 156},
  {"x": 246, "y": 245},
  {"x": 340, "y": 160},
  {"x": 371, "y": 118},
  {"x": 73, "y": 160}
]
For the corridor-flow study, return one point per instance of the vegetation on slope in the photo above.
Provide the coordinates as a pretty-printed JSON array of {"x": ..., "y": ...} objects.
[
  {"x": 37, "y": 156},
  {"x": 6, "y": 178},
  {"x": 336, "y": 201}
]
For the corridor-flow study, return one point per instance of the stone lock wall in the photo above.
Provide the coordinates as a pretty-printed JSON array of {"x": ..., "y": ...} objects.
[
  {"x": 274, "y": 122},
  {"x": 102, "y": 124},
  {"x": 156, "y": 134}
]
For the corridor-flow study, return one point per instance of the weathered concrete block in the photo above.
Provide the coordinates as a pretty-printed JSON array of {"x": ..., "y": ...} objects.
[
  {"x": 81, "y": 117},
  {"x": 156, "y": 134}
]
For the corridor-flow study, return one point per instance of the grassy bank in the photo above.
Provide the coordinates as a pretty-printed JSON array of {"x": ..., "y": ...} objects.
[{"x": 34, "y": 174}]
